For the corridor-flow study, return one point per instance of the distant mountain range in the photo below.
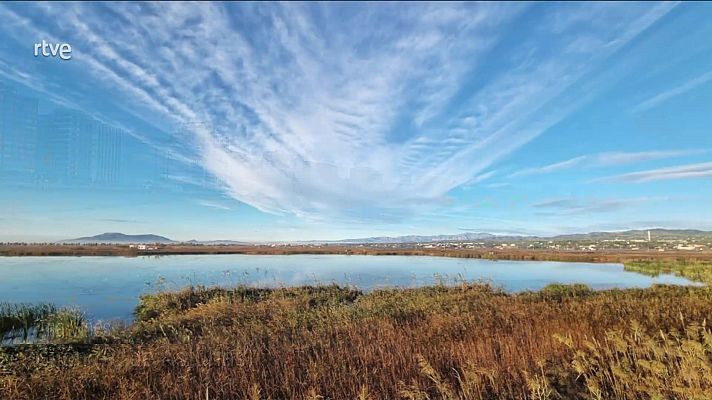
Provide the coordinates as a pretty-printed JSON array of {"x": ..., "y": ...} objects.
[
  {"x": 462, "y": 237},
  {"x": 479, "y": 236},
  {"x": 120, "y": 238}
]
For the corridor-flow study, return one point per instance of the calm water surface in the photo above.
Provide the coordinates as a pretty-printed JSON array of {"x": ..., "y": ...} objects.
[{"x": 108, "y": 287}]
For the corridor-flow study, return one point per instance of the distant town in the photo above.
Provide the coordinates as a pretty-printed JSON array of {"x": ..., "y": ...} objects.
[{"x": 689, "y": 244}]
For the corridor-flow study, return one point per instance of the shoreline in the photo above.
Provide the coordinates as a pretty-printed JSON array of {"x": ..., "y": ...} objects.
[{"x": 602, "y": 256}]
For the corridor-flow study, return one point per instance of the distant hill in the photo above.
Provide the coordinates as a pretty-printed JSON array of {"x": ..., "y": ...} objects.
[{"x": 120, "y": 238}]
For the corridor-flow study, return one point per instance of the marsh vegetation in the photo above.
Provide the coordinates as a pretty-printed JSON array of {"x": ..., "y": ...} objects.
[
  {"x": 20, "y": 323},
  {"x": 695, "y": 270},
  {"x": 469, "y": 341}
]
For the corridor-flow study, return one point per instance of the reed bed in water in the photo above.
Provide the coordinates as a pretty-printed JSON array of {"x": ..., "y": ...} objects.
[
  {"x": 20, "y": 323},
  {"x": 472, "y": 341},
  {"x": 699, "y": 271}
]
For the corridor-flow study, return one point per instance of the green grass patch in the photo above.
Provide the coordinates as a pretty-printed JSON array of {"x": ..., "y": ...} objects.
[{"x": 698, "y": 271}]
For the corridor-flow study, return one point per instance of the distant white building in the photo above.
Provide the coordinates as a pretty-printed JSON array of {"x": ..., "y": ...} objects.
[
  {"x": 143, "y": 247},
  {"x": 687, "y": 247}
]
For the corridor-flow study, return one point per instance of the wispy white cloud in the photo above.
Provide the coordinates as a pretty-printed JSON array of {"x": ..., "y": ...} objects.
[
  {"x": 687, "y": 171},
  {"x": 576, "y": 206},
  {"x": 479, "y": 178},
  {"x": 122, "y": 220},
  {"x": 674, "y": 92},
  {"x": 620, "y": 158},
  {"x": 607, "y": 159},
  {"x": 294, "y": 113},
  {"x": 572, "y": 162},
  {"x": 213, "y": 204},
  {"x": 496, "y": 185}
]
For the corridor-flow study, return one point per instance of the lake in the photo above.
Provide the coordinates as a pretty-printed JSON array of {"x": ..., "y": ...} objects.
[{"x": 108, "y": 287}]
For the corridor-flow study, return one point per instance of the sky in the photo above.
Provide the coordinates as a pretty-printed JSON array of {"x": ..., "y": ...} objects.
[{"x": 301, "y": 121}]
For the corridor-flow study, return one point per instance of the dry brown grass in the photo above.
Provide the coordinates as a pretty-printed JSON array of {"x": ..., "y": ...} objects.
[
  {"x": 466, "y": 342},
  {"x": 469, "y": 342}
]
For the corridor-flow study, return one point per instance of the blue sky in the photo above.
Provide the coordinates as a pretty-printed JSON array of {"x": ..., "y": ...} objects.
[{"x": 263, "y": 121}]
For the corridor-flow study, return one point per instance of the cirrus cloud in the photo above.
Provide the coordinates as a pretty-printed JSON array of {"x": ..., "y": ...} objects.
[{"x": 331, "y": 109}]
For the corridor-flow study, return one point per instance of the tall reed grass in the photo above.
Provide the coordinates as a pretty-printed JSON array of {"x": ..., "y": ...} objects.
[{"x": 41, "y": 323}]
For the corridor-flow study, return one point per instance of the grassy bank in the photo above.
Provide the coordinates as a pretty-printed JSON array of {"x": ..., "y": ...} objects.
[{"x": 467, "y": 342}]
